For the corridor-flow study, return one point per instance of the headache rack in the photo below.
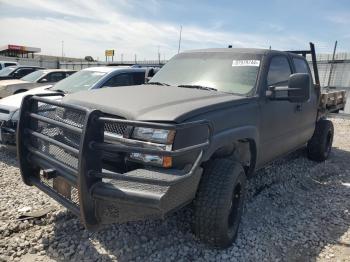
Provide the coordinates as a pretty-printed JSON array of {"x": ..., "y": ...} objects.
[
  {"x": 59, "y": 142},
  {"x": 330, "y": 100}
]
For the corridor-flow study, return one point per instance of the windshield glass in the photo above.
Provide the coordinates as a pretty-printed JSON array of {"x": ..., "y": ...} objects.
[
  {"x": 227, "y": 72},
  {"x": 33, "y": 77},
  {"x": 82, "y": 80},
  {"x": 6, "y": 71}
]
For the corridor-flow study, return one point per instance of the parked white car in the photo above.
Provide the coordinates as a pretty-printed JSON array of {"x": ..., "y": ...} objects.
[
  {"x": 4, "y": 64},
  {"x": 86, "y": 79}
]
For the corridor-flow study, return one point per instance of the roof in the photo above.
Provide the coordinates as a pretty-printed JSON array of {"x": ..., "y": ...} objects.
[
  {"x": 58, "y": 70},
  {"x": 230, "y": 50},
  {"x": 108, "y": 69},
  {"x": 20, "y": 66},
  {"x": 255, "y": 51}
]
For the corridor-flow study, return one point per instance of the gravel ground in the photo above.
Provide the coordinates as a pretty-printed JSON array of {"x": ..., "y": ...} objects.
[{"x": 296, "y": 210}]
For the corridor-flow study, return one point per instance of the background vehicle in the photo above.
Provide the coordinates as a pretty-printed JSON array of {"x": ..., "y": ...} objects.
[
  {"x": 201, "y": 126},
  {"x": 4, "y": 64},
  {"x": 16, "y": 72},
  {"x": 86, "y": 79},
  {"x": 32, "y": 80}
]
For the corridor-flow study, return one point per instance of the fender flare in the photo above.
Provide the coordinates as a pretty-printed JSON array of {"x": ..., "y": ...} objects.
[{"x": 220, "y": 139}]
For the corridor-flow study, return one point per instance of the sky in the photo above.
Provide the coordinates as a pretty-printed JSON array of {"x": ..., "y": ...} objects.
[{"x": 141, "y": 28}]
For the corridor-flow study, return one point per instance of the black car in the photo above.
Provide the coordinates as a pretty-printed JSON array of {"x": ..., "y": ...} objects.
[{"x": 17, "y": 72}]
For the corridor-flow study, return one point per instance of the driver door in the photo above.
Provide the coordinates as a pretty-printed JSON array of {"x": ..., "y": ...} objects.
[{"x": 279, "y": 119}]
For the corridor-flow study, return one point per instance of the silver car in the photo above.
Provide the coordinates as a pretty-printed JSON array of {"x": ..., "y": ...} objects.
[{"x": 32, "y": 80}]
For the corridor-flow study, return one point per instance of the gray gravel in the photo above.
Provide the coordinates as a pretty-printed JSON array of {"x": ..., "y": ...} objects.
[{"x": 296, "y": 210}]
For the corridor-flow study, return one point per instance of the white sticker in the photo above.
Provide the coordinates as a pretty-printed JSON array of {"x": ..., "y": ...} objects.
[{"x": 245, "y": 62}]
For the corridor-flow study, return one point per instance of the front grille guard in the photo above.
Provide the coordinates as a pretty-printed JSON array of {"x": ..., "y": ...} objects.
[{"x": 89, "y": 170}]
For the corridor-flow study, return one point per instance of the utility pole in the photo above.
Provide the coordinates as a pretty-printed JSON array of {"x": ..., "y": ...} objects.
[
  {"x": 333, "y": 60},
  {"x": 178, "y": 50},
  {"x": 158, "y": 55},
  {"x": 62, "y": 46}
]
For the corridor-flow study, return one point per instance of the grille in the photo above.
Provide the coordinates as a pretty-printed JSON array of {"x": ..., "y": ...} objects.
[
  {"x": 68, "y": 116},
  {"x": 115, "y": 128},
  {"x": 71, "y": 117}
]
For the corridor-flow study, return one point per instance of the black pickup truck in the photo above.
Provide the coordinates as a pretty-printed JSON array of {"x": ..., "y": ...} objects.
[{"x": 193, "y": 134}]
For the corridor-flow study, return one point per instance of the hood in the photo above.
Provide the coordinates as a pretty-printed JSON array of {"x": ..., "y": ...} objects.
[
  {"x": 12, "y": 103},
  {"x": 13, "y": 82},
  {"x": 152, "y": 102}
]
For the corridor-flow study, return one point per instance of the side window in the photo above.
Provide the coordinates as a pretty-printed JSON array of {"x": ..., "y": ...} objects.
[
  {"x": 69, "y": 73},
  {"x": 300, "y": 66},
  {"x": 120, "y": 80},
  {"x": 23, "y": 72},
  {"x": 0, "y": 66},
  {"x": 279, "y": 71},
  {"x": 139, "y": 78},
  {"x": 9, "y": 64},
  {"x": 55, "y": 77}
]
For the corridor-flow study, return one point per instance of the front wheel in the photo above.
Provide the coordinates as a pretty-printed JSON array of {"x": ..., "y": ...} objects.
[
  {"x": 219, "y": 203},
  {"x": 320, "y": 145}
]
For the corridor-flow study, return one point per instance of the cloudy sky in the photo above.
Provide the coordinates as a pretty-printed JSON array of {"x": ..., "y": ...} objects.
[{"x": 132, "y": 27}]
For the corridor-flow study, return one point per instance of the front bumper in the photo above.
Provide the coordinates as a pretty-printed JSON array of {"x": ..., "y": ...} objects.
[
  {"x": 8, "y": 132},
  {"x": 4, "y": 92},
  {"x": 74, "y": 175}
]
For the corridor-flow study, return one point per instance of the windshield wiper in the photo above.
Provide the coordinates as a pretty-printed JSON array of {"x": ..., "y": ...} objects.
[
  {"x": 199, "y": 87},
  {"x": 157, "y": 83}
]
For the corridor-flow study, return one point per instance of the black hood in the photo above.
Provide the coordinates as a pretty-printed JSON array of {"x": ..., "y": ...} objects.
[{"x": 152, "y": 102}]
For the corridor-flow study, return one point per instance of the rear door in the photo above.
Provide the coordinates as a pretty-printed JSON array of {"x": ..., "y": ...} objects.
[{"x": 279, "y": 119}]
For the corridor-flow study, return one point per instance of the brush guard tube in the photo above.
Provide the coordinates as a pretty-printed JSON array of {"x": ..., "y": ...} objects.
[{"x": 100, "y": 196}]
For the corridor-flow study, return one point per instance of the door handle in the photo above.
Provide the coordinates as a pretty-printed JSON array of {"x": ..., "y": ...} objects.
[{"x": 298, "y": 107}]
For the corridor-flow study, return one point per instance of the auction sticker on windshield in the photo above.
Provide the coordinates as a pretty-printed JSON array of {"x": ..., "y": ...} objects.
[{"x": 245, "y": 62}]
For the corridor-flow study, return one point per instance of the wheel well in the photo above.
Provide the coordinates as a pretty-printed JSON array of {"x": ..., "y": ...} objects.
[
  {"x": 20, "y": 91},
  {"x": 242, "y": 150}
]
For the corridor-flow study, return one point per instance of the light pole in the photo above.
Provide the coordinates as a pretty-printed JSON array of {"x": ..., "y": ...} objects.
[
  {"x": 62, "y": 46},
  {"x": 178, "y": 50}
]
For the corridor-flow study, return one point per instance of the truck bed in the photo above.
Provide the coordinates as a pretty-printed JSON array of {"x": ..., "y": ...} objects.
[{"x": 332, "y": 101}]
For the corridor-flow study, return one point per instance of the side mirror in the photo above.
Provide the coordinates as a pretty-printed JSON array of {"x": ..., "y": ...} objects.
[
  {"x": 16, "y": 75},
  {"x": 44, "y": 80},
  {"x": 297, "y": 91}
]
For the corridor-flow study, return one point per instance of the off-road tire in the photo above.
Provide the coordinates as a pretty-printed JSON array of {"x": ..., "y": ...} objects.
[
  {"x": 320, "y": 145},
  {"x": 222, "y": 189}
]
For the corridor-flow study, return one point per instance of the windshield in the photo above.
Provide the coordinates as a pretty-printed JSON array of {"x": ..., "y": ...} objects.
[
  {"x": 227, "y": 72},
  {"x": 80, "y": 81},
  {"x": 6, "y": 71},
  {"x": 33, "y": 77}
]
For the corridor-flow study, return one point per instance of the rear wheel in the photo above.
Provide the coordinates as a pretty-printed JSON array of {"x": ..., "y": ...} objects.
[
  {"x": 320, "y": 145},
  {"x": 219, "y": 203}
]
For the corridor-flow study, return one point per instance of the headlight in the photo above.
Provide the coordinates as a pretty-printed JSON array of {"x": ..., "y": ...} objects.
[
  {"x": 160, "y": 139},
  {"x": 163, "y": 161},
  {"x": 161, "y": 136}
]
